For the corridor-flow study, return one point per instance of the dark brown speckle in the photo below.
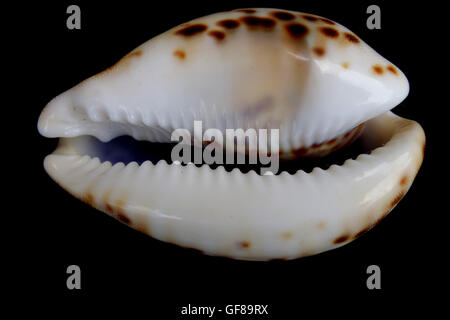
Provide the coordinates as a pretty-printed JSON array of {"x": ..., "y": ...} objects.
[
  {"x": 404, "y": 180},
  {"x": 278, "y": 259},
  {"x": 122, "y": 217},
  {"x": 377, "y": 69},
  {"x": 282, "y": 15},
  {"x": 300, "y": 152},
  {"x": 124, "y": 61},
  {"x": 341, "y": 239},
  {"x": 89, "y": 199},
  {"x": 105, "y": 200},
  {"x": 218, "y": 35},
  {"x": 363, "y": 231},
  {"x": 296, "y": 30},
  {"x": 319, "y": 51},
  {"x": 245, "y": 244},
  {"x": 136, "y": 53},
  {"x": 179, "y": 54},
  {"x": 392, "y": 69},
  {"x": 257, "y": 22},
  {"x": 249, "y": 11},
  {"x": 345, "y": 65},
  {"x": 351, "y": 37},
  {"x": 329, "y": 32},
  {"x": 397, "y": 199},
  {"x": 309, "y": 18},
  {"x": 228, "y": 23},
  {"x": 191, "y": 30}
]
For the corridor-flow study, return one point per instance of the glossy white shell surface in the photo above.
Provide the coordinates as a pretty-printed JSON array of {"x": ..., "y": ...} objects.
[
  {"x": 313, "y": 83},
  {"x": 308, "y": 76}
]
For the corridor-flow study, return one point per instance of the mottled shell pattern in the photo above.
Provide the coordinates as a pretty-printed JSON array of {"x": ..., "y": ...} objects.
[{"x": 312, "y": 78}]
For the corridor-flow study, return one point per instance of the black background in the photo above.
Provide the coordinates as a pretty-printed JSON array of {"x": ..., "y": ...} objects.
[{"x": 135, "y": 272}]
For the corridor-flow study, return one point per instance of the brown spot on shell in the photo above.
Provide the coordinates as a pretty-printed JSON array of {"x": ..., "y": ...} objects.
[
  {"x": 192, "y": 30},
  {"x": 363, "y": 231},
  {"x": 319, "y": 51},
  {"x": 392, "y": 69},
  {"x": 105, "y": 200},
  {"x": 309, "y": 17},
  {"x": 181, "y": 54},
  {"x": 228, "y": 23},
  {"x": 326, "y": 147},
  {"x": 278, "y": 259},
  {"x": 136, "y": 53},
  {"x": 123, "y": 62},
  {"x": 88, "y": 198},
  {"x": 282, "y": 15},
  {"x": 245, "y": 244},
  {"x": 377, "y": 69},
  {"x": 329, "y": 32},
  {"x": 397, "y": 199},
  {"x": 321, "y": 225},
  {"x": 286, "y": 235},
  {"x": 300, "y": 152},
  {"x": 249, "y": 11},
  {"x": 109, "y": 208},
  {"x": 258, "y": 22},
  {"x": 341, "y": 239},
  {"x": 296, "y": 30},
  {"x": 351, "y": 37},
  {"x": 327, "y": 21},
  {"x": 122, "y": 217},
  {"x": 218, "y": 35},
  {"x": 404, "y": 180},
  {"x": 345, "y": 65}
]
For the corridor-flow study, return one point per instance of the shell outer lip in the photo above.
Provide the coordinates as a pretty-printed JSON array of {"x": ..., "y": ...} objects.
[{"x": 241, "y": 216}]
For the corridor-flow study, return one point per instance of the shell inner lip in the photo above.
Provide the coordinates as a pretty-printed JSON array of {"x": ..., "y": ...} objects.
[
  {"x": 126, "y": 149},
  {"x": 144, "y": 196}
]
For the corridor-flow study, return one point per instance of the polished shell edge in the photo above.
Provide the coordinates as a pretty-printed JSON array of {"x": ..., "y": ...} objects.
[{"x": 247, "y": 216}]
